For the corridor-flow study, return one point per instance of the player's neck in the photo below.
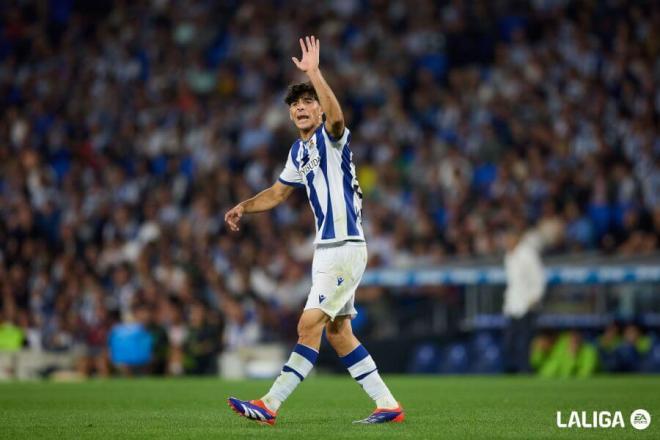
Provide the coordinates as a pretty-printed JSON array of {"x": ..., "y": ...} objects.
[{"x": 305, "y": 135}]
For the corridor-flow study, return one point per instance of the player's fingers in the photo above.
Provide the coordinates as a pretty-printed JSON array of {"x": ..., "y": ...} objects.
[
  {"x": 302, "y": 46},
  {"x": 295, "y": 61},
  {"x": 318, "y": 45},
  {"x": 309, "y": 43}
]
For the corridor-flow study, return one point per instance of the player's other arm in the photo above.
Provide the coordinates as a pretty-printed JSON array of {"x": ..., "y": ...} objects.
[
  {"x": 334, "y": 117},
  {"x": 265, "y": 200}
]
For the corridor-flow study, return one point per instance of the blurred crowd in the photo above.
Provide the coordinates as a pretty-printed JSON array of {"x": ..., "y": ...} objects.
[
  {"x": 623, "y": 346},
  {"x": 129, "y": 128}
]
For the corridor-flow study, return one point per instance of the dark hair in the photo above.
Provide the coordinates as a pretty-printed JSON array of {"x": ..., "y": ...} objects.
[{"x": 296, "y": 91}]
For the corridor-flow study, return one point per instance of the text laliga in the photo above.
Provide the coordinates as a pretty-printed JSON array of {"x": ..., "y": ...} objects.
[{"x": 593, "y": 419}]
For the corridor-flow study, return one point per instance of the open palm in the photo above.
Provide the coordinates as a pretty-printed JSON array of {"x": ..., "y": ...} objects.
[{"x": 310, "y": 54}]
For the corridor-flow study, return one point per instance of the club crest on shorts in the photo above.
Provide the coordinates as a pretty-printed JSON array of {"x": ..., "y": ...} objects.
[
  {"x": 339, "y": 281},
  {"x": 321, "y": 298}
]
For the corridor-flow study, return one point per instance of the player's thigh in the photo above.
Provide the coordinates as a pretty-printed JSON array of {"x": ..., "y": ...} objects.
[{"x": 312, "y": 321}]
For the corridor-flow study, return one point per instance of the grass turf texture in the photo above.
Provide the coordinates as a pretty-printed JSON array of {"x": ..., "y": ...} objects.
[{"x": 323, "y": 407}]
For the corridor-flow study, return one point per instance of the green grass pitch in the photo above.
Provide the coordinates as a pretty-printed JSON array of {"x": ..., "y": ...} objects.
[{"x": 323, "y": 407}]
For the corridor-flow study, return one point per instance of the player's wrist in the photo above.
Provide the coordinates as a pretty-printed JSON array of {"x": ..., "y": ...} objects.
[{"x": 313, "y": 71}]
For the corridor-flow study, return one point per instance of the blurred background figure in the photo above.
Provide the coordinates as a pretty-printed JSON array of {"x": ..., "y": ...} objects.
[
  {"x": 159, "y": 340},
  {"x": 242, "y": 329},
  {"x": 12, "y": 337},
  {"x": 177, "y": 332},
  {"x": 201, "y": 343},
  {"x": 569, "y": 355},
  {"x": 131, "y": 344},
  {"x": 608, "y": 344},
  {"x": 94, "y": 359},
  {"x": 633, "y": 348},
  {"x": 525, "y": 285}
]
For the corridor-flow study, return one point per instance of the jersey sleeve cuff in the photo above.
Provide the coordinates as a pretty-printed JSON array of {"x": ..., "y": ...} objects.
[
  {"x": 339, "y": 141},
  {"x": 293, "y": 184}
]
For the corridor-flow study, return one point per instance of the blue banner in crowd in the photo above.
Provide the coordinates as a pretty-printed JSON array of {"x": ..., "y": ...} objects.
[{"x": 494, "y": 275}]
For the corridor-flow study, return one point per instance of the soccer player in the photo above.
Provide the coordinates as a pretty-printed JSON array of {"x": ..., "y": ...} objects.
[{"x": 321, "y": 162}]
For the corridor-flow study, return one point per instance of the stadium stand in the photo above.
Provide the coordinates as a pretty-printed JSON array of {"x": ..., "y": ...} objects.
[{"x": 128, "y": 129}]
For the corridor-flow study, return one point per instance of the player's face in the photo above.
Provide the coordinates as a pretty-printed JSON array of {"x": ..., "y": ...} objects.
[{"x": 306, "y": 113}]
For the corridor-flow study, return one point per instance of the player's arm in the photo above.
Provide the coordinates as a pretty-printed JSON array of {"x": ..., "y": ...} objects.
[
  {"x": 265, "y": 200},
  {"x": 334, "y": 118}
]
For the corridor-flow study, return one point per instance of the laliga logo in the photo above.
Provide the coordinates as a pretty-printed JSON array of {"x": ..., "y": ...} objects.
[{"x": 639, "y": 419}]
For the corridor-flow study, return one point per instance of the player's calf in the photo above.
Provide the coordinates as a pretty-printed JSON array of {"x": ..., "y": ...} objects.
[{"x": 359, "y": 363}]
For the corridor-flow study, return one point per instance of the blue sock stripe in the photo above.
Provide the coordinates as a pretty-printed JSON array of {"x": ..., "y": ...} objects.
[
  {"x": 308, "y": 353},
  {"x": 355, "y": 356},
  {"x": 362, "y": 376},
  {"x": 287, "y": 369}
]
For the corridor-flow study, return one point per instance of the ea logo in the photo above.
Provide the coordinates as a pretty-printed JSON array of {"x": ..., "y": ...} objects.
[{"x": 640, "y": 419}]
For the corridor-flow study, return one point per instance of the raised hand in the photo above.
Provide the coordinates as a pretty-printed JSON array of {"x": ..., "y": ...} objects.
[
  {"x": 310, "y": 54},
  {"x": 233, "y": 216}
]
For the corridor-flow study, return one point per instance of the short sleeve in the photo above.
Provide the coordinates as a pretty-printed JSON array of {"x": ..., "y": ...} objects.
[
  {"x": 290, "y": 175},
  {"x": 338, "y": 143}
]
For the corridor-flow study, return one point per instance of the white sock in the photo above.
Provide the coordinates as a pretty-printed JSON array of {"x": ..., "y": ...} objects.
[
  {"x": 363, "y": 369},
  {"x": 295, "y": 370}
]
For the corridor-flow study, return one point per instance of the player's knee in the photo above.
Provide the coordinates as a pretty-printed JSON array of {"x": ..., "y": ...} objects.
[
  {"x": 337, "y": 334},
  {"x": 334, "y": 338},
  {"x": 307, "y": 330}
]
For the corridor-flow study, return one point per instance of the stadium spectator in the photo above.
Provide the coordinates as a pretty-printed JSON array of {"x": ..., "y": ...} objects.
[
  {"x": 540, "y": 350},
  {"x": 634, "y": 346},
  {"x": 177, "y": 332},
  {"x": 160, "y": 350},
  {"x": 200, "y": 345},
  {"x": 95, "y": 344},
  {"x": 608, "y": 344},
  {"x": 623, "y": 347},
  {"x": 130, "y": 345},
  {"x": 568, "y": 356},
  {"x": 11, "y": 336},
  {"x": 242, "y": 327}
]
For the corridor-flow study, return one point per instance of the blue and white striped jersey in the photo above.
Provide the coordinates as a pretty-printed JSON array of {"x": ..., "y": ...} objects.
[{"x": 325, "y": 168}]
